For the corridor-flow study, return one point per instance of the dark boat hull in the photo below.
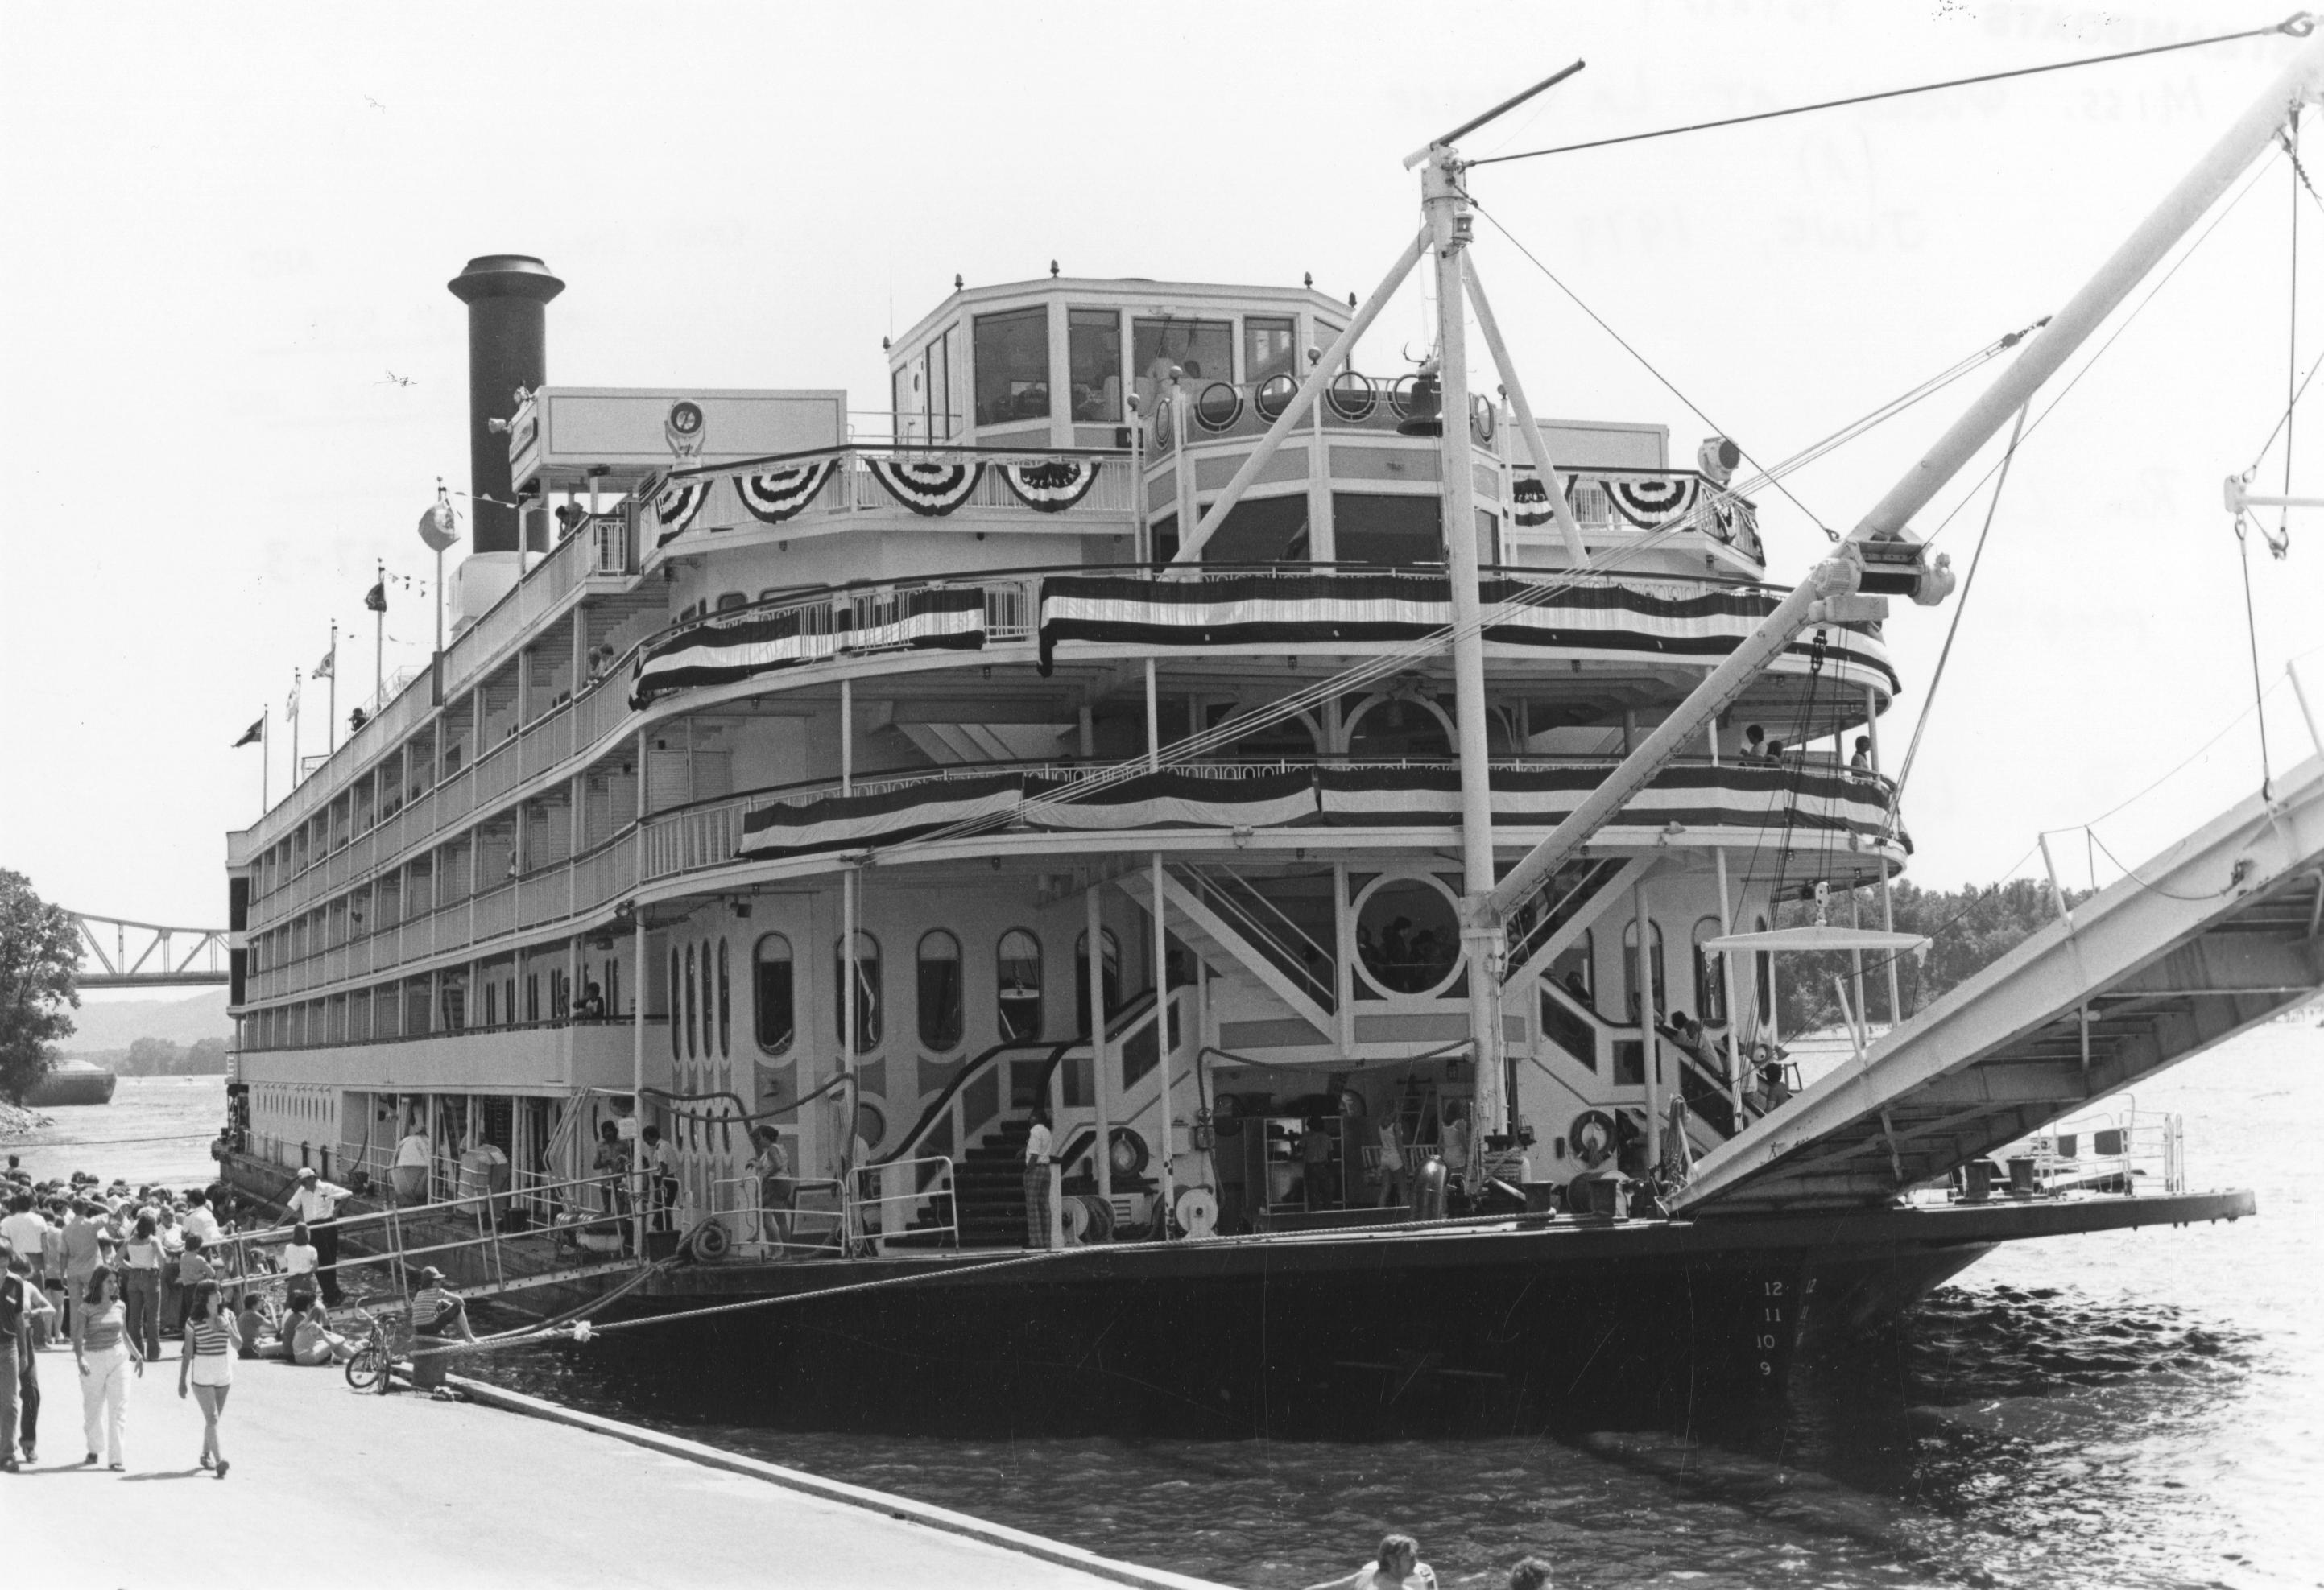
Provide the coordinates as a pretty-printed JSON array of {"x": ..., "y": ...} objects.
[
  {"x": 1420, "y": 1333},
  {"x": 70, "y": 1087}
]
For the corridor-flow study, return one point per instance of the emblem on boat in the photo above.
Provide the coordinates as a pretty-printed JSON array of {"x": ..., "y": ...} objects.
[{"x": 683, "y": 427}]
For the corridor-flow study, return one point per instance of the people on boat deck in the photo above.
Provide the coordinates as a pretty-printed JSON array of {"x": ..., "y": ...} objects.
[
  {"x": 613, "y": 1162},
  {"x": 661, "y": 1178},
  {"x": 593, "y": 1003},
  {"x": 1396, "y": 1566},
  {"x": 1391, "y": 1166},
  {"x": 1861, "y": 762},
  {"x": 1315, "y": 1165},
  {"x": 777, "y": 1192},
  {"x": 1040, "y": 1150},
  {"x": 1755, "y": 743},
  {"x": 1454, "y": 1144}
]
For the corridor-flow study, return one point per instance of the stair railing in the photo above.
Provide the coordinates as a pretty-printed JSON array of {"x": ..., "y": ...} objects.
[{"x": 1293, "y": 950}]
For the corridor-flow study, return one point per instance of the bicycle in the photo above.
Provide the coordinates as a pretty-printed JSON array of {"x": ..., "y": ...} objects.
[{"x": 377, "y": 1347}]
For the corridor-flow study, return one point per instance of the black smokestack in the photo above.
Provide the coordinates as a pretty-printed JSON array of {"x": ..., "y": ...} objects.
[{"x": 507, "y": 349}]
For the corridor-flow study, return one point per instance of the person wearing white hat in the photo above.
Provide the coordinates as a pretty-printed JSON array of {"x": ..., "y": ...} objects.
[{"x": 316, "y": 1203}]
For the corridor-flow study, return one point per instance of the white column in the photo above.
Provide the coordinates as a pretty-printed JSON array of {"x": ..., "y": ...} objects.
[
  {"x": 1650, "y": 1045},
  {"x": 1887, "y": 905},
  {"x": 1727, "y": 958},
  {"x": 1481, "y": 939},
  {"x": 1162, "y": 1039},
  {"x": 1101, "y": 1082},
  {"x": 847, "y": 737}
]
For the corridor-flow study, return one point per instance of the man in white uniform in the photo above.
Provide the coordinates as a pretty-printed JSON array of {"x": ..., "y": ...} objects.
[{"x": 317, "y": 1202}]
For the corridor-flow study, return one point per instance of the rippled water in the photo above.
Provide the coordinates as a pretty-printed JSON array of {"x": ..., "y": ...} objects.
[
  {"x": 157, "y": 1129},
  {"x": 2134, "y": 1409}
]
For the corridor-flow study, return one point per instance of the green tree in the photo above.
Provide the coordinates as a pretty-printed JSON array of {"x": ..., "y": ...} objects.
[
  {"x": 205, "y": 1057},
  {"x": 1968, "y": 929},
  {"x": 152, "y": 1057},
  {"x": 40, "y": 954}
]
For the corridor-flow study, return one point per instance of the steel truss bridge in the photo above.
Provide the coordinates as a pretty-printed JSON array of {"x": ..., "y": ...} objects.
[{"x": 117, "y": 954}]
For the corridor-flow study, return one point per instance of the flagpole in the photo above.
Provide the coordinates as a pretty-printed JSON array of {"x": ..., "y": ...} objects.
[
  {"x": 293, "y": 710},
  {"x": 265, "y": 756},
  {"x": 379, "y": 642},
  {"x": 331, "y": 701}
]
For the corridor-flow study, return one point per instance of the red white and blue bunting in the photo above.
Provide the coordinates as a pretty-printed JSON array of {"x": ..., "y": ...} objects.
[
  {"x": 744, "y": 644},
  {"x": 1653, "y": 502},
  {"x": 1266, "y": 612},
  {"x": 927, "y": 488},
  {"x": 1734, "y": 797},
  {"x": 775, "y": 495},
  {"x": 674, "y": 506},
  {"x": 1051, "y": 485}
]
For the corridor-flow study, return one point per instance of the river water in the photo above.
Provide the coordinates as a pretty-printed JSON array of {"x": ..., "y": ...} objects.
[{"x": 2137, "y": 1409}]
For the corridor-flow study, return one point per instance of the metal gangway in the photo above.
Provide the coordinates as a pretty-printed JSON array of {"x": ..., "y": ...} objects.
[{"x": 2222, "y": 931}]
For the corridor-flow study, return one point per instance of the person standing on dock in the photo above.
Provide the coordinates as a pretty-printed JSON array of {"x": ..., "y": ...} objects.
[
  {"x": 23, "y": 1306},
  {"x": 205, "y": 1358},
  {"x": 24, "y": 1230},
  {"x": 144, "y": 1258},
  {"x": 317, "y": 1204},
  {"x": 777, "y": 1192},
  {"x": 1039, "y": 1151},
  {"x": 83, "y": 1252},
  {"x": 106, "y": 1358}
]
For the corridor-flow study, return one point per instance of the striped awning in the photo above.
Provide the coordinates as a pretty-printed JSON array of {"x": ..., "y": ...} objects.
[{"x": 747, "y": 643}]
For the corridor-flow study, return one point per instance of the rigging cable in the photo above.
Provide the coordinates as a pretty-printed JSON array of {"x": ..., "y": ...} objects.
[
  {"x": 2298, "y": 25},
  {"x": 1813, "y": 518},
  {"x": 1961, "y": 606}
]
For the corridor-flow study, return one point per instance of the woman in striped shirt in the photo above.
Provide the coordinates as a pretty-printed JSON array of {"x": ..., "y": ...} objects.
[{"x": 207, "y": 1362}]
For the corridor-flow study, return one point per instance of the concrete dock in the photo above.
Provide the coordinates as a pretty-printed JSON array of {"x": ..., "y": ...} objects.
[{"x": 329, "y": 1482}]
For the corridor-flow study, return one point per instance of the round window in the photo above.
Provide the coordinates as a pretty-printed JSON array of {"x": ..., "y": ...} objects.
[{"x": 1407, "y": 936}]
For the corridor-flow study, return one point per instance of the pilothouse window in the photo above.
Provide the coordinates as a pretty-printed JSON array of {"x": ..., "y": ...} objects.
[
  {"x": 1012, "y": 366},
  {"x": 1094, "y": 364},
  {"x": 1267, "y": 348},
  {"x": 1203, "y": 349}
]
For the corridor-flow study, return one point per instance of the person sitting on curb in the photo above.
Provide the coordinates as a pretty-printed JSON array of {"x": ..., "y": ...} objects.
[
  {"x": 259, "y": 1339},
  {"x": 437, "y": 1314}
]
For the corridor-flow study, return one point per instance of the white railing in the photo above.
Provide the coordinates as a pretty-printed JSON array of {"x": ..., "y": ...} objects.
[{"x": 2111, "y": 1148}]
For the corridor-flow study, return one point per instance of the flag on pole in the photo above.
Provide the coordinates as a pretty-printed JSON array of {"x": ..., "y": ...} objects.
[
  {"x": 252, "y": 735},
  {"x": 375, "y": 599},
  {"x": 290, "y": 707},
  {"x": 325, "y": 669}
]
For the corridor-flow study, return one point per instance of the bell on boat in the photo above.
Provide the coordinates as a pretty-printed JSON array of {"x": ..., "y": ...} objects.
[{"x": 1423, "y": 408}]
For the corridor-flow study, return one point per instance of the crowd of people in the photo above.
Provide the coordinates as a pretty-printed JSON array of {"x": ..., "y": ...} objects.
[{"x": 109, "y": 1272}]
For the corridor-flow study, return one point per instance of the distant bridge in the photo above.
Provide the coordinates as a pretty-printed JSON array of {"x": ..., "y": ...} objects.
[{"x": 117, "y": 954}]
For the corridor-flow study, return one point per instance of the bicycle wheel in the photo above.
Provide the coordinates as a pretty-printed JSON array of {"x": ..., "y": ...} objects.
[{"x": 367, "y": 1370}]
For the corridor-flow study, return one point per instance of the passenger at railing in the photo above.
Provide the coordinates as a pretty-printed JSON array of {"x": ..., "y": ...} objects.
[
  {"x": 613, "y": 1162},
  {"x": 1391, "y": 1166},
  {"x": 1860, "y": 764},
  {"x": 1754, "y": 744},
  {"x": 593, "y": 1003},
  {"x": 661, "y": 1179},
  {"x": 777, "y": 1193},
  {"x": 1775, "y": 1086},
  {"x": 1040, "y": 1156},
  {"x": 1455, "y": 1142}
]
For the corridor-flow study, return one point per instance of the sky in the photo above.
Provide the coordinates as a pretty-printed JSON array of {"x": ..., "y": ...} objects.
[{"x": 235, "y": 376}]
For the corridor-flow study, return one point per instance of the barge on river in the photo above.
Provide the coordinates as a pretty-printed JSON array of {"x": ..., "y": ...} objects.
[{"x": 1316, "y": 794}]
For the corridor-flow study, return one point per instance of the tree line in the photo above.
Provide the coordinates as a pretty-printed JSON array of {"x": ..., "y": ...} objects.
[
  {"x": 158, "y": 1057},
  {"x": 1968, "y": 928}
]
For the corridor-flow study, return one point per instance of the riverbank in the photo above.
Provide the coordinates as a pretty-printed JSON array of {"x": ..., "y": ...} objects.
[{"x": 461, "y": 1493}]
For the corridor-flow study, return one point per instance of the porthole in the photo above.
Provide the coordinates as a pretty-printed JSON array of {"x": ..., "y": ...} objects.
[
  {"x": 1352, "y": 397},
  {"x": 1407, "y": 936},
  {"x": 1219, "y": 407},
  {"x": 1273, "y": 396}
]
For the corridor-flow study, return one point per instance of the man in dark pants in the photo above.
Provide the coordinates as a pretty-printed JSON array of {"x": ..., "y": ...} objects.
[
  {"x": 317, "y": 1202},
  {"x": 21, "y": 1303}
]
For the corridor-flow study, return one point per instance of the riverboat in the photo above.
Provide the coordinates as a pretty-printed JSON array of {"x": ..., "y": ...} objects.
[{"x": 1351, "y": 811}]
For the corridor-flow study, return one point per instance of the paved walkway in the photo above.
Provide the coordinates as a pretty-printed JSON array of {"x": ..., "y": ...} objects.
[{"x": 330, "y": 1485}]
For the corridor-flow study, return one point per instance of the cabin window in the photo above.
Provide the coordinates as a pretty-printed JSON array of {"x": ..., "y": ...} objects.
[
  {"x": 1630, "y": 972},
  {"x": 725, "y": 1006},
  {"x": 1203, "y": 349},
  {"x": 1267, "y": 347},
  {"x": 939, "y": 989},
  {"x": 1109, "y": 976},
  {"x": 1012, "y": 366},
  {"x": 1271, "y": 530},
  {"x": 1373, "y": 527},
  {"x": 1710, "y": 986},
  {"x": 936, "y": 372},
  {"x": 1407, "y": 936},
  {"x": 693, "y": 1032},
  {"x": 901, "y": 405},
  {"x": 867, "y": 991},
  {"x": 770, "y": 992},
  {"x": 1574, "y": 968},
  {"x": 1019, "y": 985},
  {"x": 1094, "y": 364}
]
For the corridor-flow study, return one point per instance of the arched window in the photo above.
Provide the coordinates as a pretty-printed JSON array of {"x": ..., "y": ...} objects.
[
  {"x": 1630, "y": 972},
  {"x": 1398, "y": 726},
  {"x": 1018, "y": 976},
  {"x": 1762, "y": 979},
  {"x": 939, "y": 990},
  {"x": 1710, "y": 986},
  {"x": 1109, "y": 976},
  {"x": 693, "y": 1009},
  {"x": 677, "y": 1001},
  {"x": 725, "y": 1006},
  {"x": 770, "y": 993},
  {"x": 867, "y": 991}
]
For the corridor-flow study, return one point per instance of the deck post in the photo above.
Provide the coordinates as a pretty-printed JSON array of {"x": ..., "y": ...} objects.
[
  {"x": 638, "y": 1079},
  {"x": 1095, "y": 919},
  {"x": 1727, "y": 958},
  {"x": 1887, "y": 903},
  {"x": 1480, "y": 934},
  {"x": 1650, "y": 1052},
  {"x": 1162, "y": 1030}
]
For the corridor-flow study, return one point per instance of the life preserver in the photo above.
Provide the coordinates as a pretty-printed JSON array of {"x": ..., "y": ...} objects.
[
  {"x": 1131, "y": 1154},
  {"x": 1591, "y": 1137}
]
